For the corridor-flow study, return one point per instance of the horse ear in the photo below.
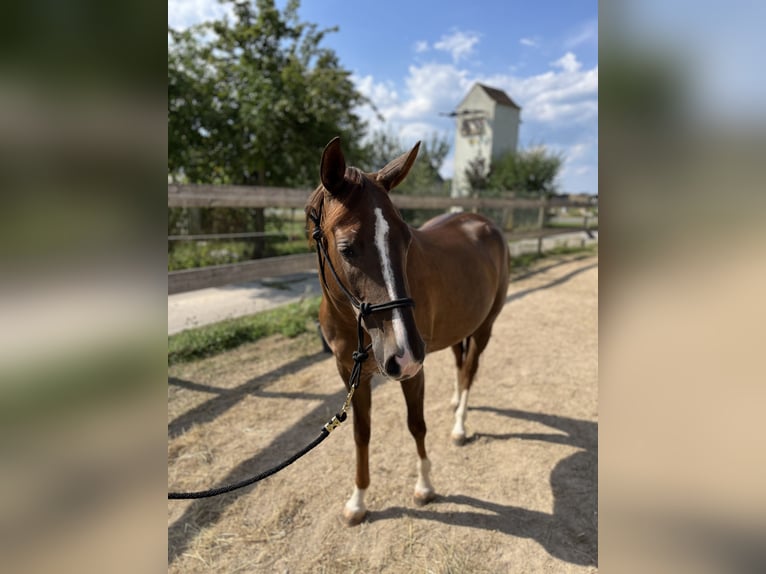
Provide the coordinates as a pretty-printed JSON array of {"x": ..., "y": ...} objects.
[
  {"x": 333, "y": 166},
  {"x": 396, "y": 170}
]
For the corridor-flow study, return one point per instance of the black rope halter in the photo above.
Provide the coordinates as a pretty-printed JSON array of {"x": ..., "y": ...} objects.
[
  {"x": 362, "y": 353},
  {"x": 359, "y": 356}
]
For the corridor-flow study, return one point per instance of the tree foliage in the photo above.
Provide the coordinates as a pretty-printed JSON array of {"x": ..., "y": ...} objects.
[
  {"x": 526, "y": 172},
  {"x": 423, "y": 178},
  {"x": 255, "y": 100}
]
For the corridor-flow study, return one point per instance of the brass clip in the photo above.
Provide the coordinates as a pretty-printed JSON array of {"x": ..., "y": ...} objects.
[{"x": 333, "y": 424}]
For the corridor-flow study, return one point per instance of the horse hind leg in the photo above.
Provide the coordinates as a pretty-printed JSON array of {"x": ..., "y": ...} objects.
[
  {"x": 472, "y": 348},
  {"x": 459, "y": 350},
  {"x": 414, "y": 390}
]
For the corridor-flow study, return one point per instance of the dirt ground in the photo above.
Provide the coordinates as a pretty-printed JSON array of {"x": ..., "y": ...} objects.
[{"x": 520, "y": 496}]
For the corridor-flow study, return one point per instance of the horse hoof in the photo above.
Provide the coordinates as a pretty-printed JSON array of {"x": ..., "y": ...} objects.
[
  {"x": 458, "y": 439},
  {"x": 423, "y": 498},
  {"x": 354, "y": 518}
]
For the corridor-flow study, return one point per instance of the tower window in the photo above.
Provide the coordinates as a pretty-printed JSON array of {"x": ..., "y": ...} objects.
[{"x": 472, "y": 127}]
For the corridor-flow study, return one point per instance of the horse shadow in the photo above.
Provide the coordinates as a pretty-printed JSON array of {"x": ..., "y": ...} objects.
[{"x": 570, "y": 532}]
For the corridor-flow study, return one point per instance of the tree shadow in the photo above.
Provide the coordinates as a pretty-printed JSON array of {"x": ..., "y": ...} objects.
[
  {"x": 550, "y": 284},
  {"x": 225, "y": 399},
  {"x": 544, "y": 268},
  {"x": 570, "y": 532}
]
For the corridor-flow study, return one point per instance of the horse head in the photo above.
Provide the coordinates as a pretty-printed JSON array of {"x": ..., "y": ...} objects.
[{"x": 367, "y": 243}]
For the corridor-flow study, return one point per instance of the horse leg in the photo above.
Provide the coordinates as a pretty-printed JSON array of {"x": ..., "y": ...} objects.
[
  {"x": 414, "y": 391},
  {"x": 474, "y": 345},
  {"x": 355, "y": 509},
  {"x": 459, "y": 350}
]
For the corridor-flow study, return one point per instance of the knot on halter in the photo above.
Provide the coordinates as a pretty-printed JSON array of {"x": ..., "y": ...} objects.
[
  {"x": 359, "y": 356},
  {"x": 365, "y": 308}
]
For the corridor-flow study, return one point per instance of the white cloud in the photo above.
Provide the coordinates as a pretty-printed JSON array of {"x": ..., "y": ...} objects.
[
  {"x": 587, "y": 32},
  {"x": 432, "y": 88},
  {"x": 185, "y": 13},
  {"x": 459, "y": 44},
  {"x": 559, "y": 109},
  {"x": 530, "y": 42},
  {"x": 568, "y": 62},
  {"x": 383, "y": 94},
  {"x": 421, "y": 46},
  {"x": 416, "y": 131},
  {"x": 564, "y": 93},
  {"x": 580, "y": 169},
  {"x": 567, "y": 93}
]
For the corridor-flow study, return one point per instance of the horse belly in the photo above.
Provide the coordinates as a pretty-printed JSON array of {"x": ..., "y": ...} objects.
[
  {"x": 468, "y": 271},
  {"x": 459, "y": 308}
]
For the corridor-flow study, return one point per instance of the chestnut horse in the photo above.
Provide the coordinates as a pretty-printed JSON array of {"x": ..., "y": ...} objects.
[{"x": 455, "y": 270}]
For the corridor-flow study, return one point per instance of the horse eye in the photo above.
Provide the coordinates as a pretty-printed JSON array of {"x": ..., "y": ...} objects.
[{"x": 347, "y": 251}]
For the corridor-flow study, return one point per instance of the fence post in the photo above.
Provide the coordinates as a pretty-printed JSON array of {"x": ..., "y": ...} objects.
[{"x": 541, "y": 222}]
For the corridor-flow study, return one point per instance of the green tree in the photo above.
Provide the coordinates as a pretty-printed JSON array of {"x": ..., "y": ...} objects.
[
  {"x": 424, "y": 177},
  {"x": 526, "y": 172},
  {"x": 254, "y": 101},
  {"x": 476, "y": 175}
]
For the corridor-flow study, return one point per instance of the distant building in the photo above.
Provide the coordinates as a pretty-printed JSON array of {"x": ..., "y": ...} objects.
[{"x": 487, "y": 127}]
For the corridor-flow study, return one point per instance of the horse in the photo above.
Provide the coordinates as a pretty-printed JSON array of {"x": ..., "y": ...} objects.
[{"x": 441, "y": 285}]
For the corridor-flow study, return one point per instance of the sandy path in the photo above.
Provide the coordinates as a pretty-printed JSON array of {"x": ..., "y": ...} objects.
[{"x": 519, "y": 497}]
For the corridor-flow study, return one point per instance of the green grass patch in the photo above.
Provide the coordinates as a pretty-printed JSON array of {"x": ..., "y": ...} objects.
[
  {"x": 289, "y": 320},
  {"x": 292, "y": 319},
  {"x": 193, "y": 254}
]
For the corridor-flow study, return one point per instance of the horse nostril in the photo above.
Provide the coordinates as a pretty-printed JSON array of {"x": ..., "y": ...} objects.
[{"x": 392, "y": 366}]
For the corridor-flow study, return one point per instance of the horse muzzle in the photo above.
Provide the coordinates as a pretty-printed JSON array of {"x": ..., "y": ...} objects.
[{"x": 401, "y": 367}]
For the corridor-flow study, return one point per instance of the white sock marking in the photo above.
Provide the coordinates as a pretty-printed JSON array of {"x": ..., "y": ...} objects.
[
  {"x": 460, "y": 414},
  {"x": 423, "y": 485},
  {"x": 456, "y": 394},
  {"x": 355, "y": 504}
]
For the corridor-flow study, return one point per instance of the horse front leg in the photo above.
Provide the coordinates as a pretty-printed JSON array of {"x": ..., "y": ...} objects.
[
  {"x": 355, "y": 509},
  {"x": 414, "y": 391}
]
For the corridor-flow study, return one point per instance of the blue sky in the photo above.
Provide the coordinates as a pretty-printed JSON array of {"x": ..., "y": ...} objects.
[{"x": 416, "y": 60}]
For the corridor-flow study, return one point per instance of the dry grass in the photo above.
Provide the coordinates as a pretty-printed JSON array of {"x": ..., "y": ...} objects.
[{"x": 519, "y": 497}]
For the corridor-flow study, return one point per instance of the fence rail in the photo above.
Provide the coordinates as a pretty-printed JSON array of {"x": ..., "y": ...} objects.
[
  {"x": 253, "y": 196},
  {"x": 277, "y": 197}
]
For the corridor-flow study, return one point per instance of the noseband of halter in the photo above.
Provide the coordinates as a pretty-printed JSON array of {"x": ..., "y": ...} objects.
[{"x": 364, "y": 308}]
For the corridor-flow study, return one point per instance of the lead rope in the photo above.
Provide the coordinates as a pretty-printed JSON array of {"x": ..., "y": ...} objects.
[{"x": 359, "y": 356}]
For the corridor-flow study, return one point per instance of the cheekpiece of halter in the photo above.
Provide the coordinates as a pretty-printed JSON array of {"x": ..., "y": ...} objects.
[{"x": 316, "y": 233}]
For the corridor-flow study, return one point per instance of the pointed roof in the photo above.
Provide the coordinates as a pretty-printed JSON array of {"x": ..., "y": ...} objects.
[{"x": 499, "y": 96}]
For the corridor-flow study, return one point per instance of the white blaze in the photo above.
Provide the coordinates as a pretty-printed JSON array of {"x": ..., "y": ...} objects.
[{"x": 381, "y": 242}]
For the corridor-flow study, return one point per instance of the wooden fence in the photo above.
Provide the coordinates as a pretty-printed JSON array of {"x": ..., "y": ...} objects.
[{"x": 277, "y": 197}]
